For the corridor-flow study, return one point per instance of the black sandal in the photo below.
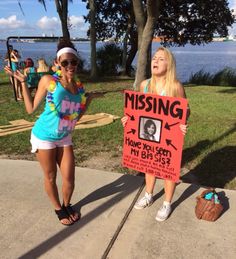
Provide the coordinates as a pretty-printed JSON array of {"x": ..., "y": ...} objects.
[
  {"x": 70, "y": 211},
  {"x": 62, "y": 214}
]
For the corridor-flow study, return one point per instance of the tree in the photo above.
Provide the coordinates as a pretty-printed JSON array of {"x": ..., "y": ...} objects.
[
  {"x": 92, "y": 34},
  {"x": 115, "y": 19},
  {"x": 194, "y": 22},
  {"x": 178, "y": 22},
  {"x": 92, "y": 14},
  {"x": 62, "y": 10},
  {"x": 146, "y": 21}
]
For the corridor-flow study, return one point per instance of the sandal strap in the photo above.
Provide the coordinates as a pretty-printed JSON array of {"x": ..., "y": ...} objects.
[
  {"x": 62, "y": 214},
  {"x": 69, "y": 209}
]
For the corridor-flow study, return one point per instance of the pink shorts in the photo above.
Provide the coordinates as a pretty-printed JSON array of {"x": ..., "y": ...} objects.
[{"x": 44, "y": 144}]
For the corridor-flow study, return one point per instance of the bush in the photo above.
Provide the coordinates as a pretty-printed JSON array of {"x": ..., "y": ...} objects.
[
  {"x": 225, "y": 77},
  {"x": 201, "y": 78},
  {"x": 109, "y": 59}
]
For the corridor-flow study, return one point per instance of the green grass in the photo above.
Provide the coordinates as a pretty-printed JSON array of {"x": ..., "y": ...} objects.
[{"x": 210, "y": 145}]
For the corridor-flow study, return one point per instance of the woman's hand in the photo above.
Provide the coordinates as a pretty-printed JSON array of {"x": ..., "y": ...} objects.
[
  {"x": 124, "y": 120},
  {"x": 8, "y": 70},
  {"x": 183, "y": 128},
  {"x": 18, "y": 75}
]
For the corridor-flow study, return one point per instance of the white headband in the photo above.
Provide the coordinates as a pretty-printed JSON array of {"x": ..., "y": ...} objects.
[{"x": 66, "y": 50}]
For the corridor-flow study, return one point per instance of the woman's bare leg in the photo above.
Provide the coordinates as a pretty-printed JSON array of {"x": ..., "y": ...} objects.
[
  {"x": 150, "y": 183},
  {"x": 169, "y": 190},
  {"x": 66, "y": 162},
  {"x": 47, "y": 160},
  {"x": 17, "y": 89}
]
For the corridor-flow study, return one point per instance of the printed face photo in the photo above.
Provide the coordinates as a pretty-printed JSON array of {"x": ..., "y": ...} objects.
[{"x": 150, "y": 129}]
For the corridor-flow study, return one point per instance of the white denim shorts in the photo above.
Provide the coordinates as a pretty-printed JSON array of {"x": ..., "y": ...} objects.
[{"x": 44, "y": 144}]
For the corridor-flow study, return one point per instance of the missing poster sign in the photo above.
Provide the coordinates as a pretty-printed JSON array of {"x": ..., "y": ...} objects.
[{"x": 153, "y": 140}]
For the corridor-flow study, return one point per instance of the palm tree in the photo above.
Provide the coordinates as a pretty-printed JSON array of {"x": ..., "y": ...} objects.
[
  {"x": 43, "y": 3},
  {"x": 62, "y": 10},
  {"x": 92, "y": 13}
]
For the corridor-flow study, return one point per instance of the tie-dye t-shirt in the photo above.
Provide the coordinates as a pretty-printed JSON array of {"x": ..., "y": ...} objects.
[{"x": 60, "y": 113}]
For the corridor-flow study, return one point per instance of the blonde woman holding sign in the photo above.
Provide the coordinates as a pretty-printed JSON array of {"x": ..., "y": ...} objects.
[{"x": 163, "y": 82}]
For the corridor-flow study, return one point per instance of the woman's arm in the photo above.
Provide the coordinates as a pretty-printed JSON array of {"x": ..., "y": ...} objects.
[
  {"x": 181, "y": 93},
  {"x": 14, "y": 57},
  {"x": 26, "y": 71},
  {"x": 31, "y": 104}
]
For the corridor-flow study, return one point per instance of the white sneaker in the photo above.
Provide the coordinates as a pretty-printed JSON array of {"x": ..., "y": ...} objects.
[
  {"x": 144, "y": 202},
  {"x": 164, "y": 212}
]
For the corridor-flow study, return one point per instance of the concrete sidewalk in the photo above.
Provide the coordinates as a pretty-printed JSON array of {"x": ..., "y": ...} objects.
[{"x": 109, "y": 227}]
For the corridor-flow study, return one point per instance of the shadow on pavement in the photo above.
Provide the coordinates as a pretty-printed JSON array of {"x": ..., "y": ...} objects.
[{"x": 122, "y": 187}]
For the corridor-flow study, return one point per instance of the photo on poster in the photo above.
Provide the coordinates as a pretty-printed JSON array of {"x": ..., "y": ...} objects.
[{"x": 150, "y": 129}]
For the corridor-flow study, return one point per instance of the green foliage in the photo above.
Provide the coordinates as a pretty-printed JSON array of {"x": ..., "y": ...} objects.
[
  {"x": 200, "y": 78},
  {"x": 195, "y": 22},
  {"x": 225, "y": 77},
  {"x": 109, "y": 59}
]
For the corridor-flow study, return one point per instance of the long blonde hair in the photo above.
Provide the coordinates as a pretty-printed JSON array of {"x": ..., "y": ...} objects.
[
  {"x": 42, "y": 66},
  {"x": 171, "y": 81}
]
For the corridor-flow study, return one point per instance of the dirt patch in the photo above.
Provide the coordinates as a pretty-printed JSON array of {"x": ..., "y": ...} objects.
[
  {"x": 30, "y": 157},
  {"x": 103, "y": 161}
]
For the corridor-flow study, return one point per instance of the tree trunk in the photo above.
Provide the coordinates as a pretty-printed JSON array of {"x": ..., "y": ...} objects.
[
  {"x": 131, "y": 39},
  {"x": 132, "y": 52},
  {"x": 145, "y": 35},
  {"x": 62, "y": 10},
  {"x": 92, "y": 7},
  {"x": 124, "y": 54},
  {"x": 140, "y": 19}
]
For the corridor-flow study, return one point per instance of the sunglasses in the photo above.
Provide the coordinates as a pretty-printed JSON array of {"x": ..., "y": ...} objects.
[{"x": 66, "y": 63}]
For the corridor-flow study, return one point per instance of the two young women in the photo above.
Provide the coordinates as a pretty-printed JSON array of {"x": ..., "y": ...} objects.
[
  {"x": 65, "y": 104},
  {"x": 162, "y": 82}
]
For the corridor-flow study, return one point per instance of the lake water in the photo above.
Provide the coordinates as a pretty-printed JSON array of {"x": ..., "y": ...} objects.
[{"x": 190, "y": 59}]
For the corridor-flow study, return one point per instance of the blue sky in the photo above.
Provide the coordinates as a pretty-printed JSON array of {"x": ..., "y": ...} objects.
[{"x": 38, "y": 22}]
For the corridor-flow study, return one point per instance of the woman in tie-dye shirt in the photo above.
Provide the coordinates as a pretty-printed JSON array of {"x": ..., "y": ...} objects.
[{"x": 51, "y": 134}]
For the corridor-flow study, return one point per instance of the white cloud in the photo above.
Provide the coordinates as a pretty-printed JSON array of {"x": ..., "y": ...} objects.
[
  {"x": 11, "y": 23},
  {"x": 78, "y": 28},
  {"x": 49, "y": 24},
  {"x": 76, "y": 21}
]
